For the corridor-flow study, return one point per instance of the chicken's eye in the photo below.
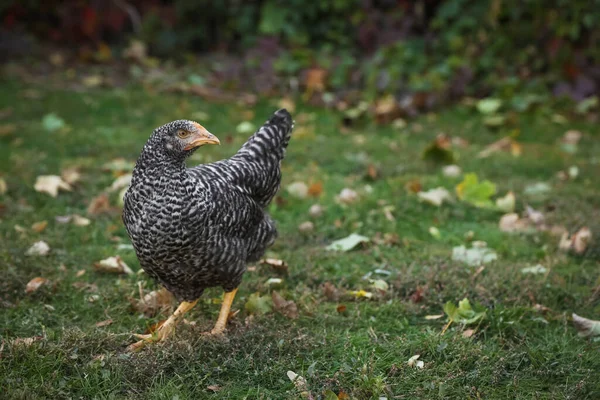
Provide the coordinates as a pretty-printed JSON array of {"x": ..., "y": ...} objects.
[{"x": 183, "y": 134}]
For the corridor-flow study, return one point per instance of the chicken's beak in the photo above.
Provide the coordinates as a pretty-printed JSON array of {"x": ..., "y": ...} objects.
[{"x": 201, "y": 137}]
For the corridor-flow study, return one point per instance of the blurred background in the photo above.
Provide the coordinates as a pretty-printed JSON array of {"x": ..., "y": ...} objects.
[{"x": 406, "y": 56}]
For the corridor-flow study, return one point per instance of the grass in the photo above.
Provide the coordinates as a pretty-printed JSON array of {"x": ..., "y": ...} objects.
[{"x": 515, "y": 352}]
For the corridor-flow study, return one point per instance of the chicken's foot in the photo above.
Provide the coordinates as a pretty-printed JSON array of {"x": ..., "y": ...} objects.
[
  {"x": 165, "y": 329},
  {"x": 224, "y": 313}
]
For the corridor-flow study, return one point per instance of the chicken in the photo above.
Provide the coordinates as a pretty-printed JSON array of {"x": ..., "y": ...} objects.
[{"x": 195, "y": 228}]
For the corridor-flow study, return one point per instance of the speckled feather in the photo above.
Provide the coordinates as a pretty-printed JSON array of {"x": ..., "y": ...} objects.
[{"x": 194, "y": 228}]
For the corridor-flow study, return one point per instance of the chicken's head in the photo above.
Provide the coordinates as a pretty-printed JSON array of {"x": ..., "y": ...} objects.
[{"x": 182, "y": 137}]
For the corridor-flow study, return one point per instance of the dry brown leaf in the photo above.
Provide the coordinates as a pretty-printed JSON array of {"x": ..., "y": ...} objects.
[
  {"x": 50, "y": 184},
  {"x": 3, "y": 186},
  {"x": 99, "y": 204},
  {"x": 330, "y": 292},
  {"x": 315, "y": 189},
  {"x": 34, "y": 284},
  {"x": 506, "y": 144},
  {"x": 6, "y": 130},
  {"x": 571, "y": 137},
  {"x": 468, "y": 333},
  {"x": 315, "y": 80},
  {"x": 39, "y": 226},
  {"x": 121, "y": 182},
  {"x": 276, "y": 264},
  {"x": 70, "y": 175},
  {"x": 372, "y": 172},
  {"x": 285, "y": 307},
  {"x": 341, "y": 308},
  {"x": 213, "y": 388},
  {"x": 577, "y": 242},
  {"x": 25, "y": 342},
  {"x": 104, "y": 323},
  {"x": 154, "y": 302},
  {"x": 414, "y": 186},
  {"x": 113, "y": 265},
  {"x": 80, "y": 273}
]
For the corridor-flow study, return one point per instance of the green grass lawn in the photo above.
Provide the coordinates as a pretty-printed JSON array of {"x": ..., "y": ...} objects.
[{"x": 518, "y": 350}]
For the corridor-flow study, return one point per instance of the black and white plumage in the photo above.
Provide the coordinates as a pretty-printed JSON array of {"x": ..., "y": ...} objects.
[{"x": 194, "y": 228}]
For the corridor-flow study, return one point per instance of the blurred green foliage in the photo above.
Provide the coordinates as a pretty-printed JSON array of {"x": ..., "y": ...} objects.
[{"x": 455, "y": 47}]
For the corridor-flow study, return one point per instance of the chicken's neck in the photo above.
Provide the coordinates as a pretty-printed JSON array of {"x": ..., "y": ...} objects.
[{"x": 156, "y": 166}]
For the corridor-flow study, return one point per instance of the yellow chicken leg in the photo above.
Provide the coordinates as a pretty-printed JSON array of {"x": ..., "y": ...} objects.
[
  {"x": 165, "y": 329},
  {"x": 224, "y": 313}
]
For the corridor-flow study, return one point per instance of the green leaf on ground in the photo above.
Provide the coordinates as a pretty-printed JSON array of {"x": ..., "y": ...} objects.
[
  {"x": 464, "y": 313},
  {"x": 474, "y": 192},
  {"x": 347, "y": 243}
]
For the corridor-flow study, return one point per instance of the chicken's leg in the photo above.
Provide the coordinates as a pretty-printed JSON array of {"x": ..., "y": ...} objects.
[
  {"x": 224, "y": 313},
  {"x": 165, "y": 329}
]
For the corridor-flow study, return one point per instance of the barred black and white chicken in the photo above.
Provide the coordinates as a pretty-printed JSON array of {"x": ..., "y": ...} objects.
[{"x": 195, "y": 228}]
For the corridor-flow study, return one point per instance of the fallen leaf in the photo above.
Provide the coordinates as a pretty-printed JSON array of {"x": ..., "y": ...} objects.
[
  {"x": 298, "y": 381},
  {"x": 276, "y": 264},
  {"x": 489, "y": 105},
  {"x": 414, "y": 186},
  {"x": 298, "y": 190},
  {"x": 214, "y": 388},
  {"x": 39, "y": 226},
  {"x": 347, "y": 243},
  {"x": 99, "y": 204},
  {"x": 113, "y": 265},
  {"x": 435, "y": 232},
  {"x": 464, "y": 313},
  {"x": 506, "y": 144},
  {"x": 245, "y": 128},
  {"x": 35, "y": 284},
  {"x": 40, "y": 248},
  {"x": 475, "y": 256},
  {"x": 274, "y": 281},
  {"x": 93, "y": 298},
  {"x": 330, "y": 291},
  {"x": 121, "y": 182},
  {"x": 468, "y": 333},
  {"x": 157, "y": 301},
  {"x": 104, "y": 323},
  {"x": 474, "y": 192},
  {"x": 258, "y": 304},
  {"x": 435, "y": 196},
  {"x": 6, "y": 130},
  {"x": 78, "y": 220},
  {"x": 538, "y": 188},
  {"x": 315, "y": 189},
  {"x": 315, "y": 81},
  {"x": 506, "y": 203},
  {"x": 50, "y": 184},
  {"x": 415, "y": 362},
  {"x": 341, "y": 308},
  {"x": 347, "y": 196},
  {"x": 70, "y": 175},
  {"x": 330, "y": 395},
  {"x": 440, "y": 150},
  {"x": 577, "y": 242},
  {"x": 586, "y": 327},
  {"x": 570, "y": 140},
  {"x": 316, "y": 210},
  {"x": 24, "y": 342},
  {"x": 80, "y": 273},
  {"x": 287, "y": 103},
  {"x": 118, "y": 165},
  {"x": 380, "y": 285},
  {"x": 285, "y": 307},
  {"x": 52, "y": 122},
  {"x": 360, "y": 294},
  {"x": 432, "y": 317},
  {"x": 3, "y": 186},
  {"x": 306, "y": 227},
  {"x": 451, "y": 171},
  {"x": 536, "y": 269}
]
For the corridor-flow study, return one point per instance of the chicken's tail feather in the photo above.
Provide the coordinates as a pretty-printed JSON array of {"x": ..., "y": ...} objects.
[{"x": 271, "y": 140}]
